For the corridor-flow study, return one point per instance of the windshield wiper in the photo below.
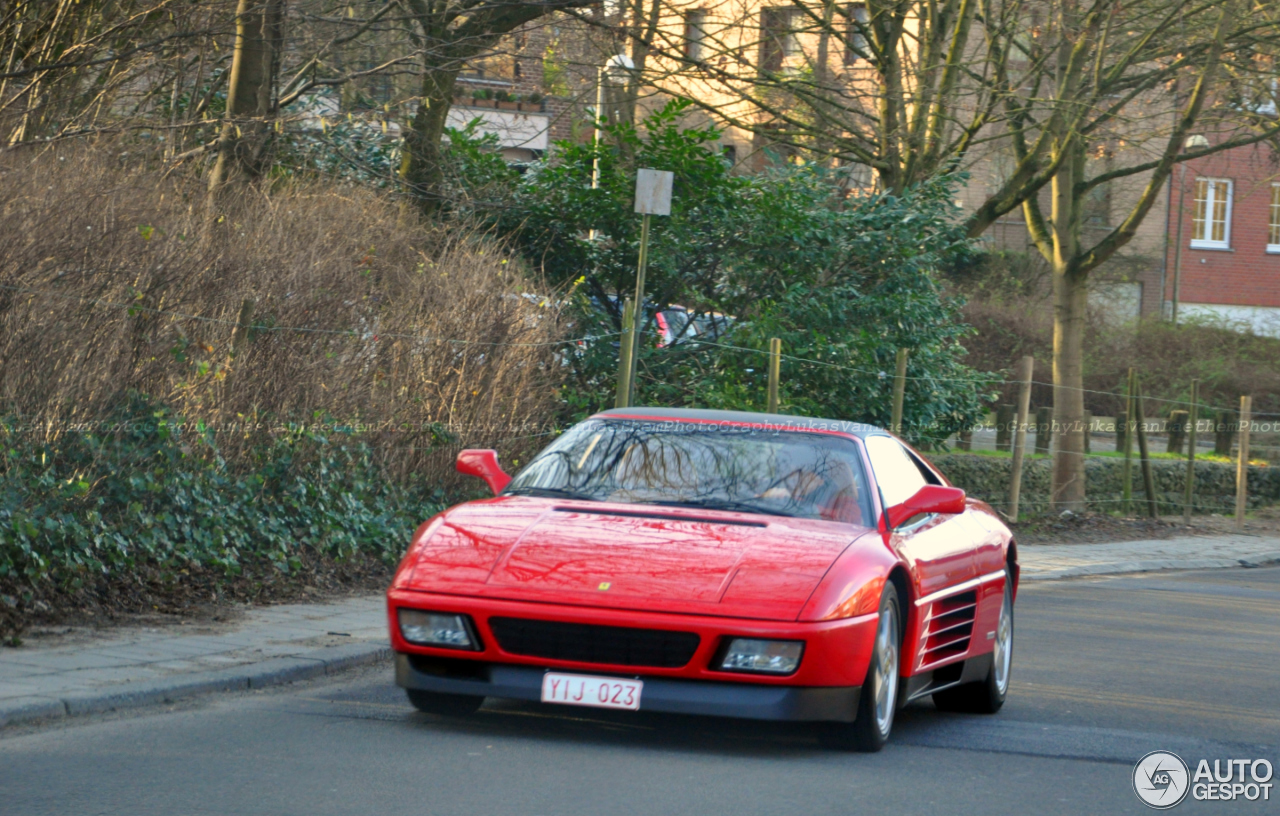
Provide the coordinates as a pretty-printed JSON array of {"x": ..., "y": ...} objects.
[
  {"x": 548, "y": 492},
  {"x": 726, "y": 504}
]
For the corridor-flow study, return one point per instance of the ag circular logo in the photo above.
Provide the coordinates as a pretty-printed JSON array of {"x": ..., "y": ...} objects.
[{"x": 1161, "y": 779}]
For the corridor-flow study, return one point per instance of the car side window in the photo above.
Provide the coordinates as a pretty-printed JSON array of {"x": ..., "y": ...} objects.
[{"x": 897, "y": 475}]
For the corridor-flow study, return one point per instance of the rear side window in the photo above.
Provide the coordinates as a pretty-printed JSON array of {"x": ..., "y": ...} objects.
[{"x": 898, "y": 475}]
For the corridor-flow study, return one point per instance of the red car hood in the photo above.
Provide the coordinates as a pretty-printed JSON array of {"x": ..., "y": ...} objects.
[{"x": 627, "y": 557}]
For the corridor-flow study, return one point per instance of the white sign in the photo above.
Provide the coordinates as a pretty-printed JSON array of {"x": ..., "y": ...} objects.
[{"x": 653, "y": 191}]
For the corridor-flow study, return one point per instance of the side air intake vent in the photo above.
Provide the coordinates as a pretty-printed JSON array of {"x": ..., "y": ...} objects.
[{"x": 949, "y": 628}]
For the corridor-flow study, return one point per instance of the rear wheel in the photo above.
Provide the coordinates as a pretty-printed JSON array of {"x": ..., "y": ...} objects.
[
  {"x": 448, "y": 705},
  {"x": 987, "y": 696},
  {"x": 879, "y": 697}
]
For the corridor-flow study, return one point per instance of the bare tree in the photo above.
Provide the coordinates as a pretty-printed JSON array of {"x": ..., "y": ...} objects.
[
  {"x": 1129, "y": 82},
  {"x": 1077, "y": 95},
  {"x": 445, "y": 35}
]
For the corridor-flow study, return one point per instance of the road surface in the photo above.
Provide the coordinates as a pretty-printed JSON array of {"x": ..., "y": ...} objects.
[{"x": 1105, "y": 671}]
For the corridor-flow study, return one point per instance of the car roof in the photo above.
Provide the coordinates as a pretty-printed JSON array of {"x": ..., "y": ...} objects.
[{"x": 788, "y": 422}]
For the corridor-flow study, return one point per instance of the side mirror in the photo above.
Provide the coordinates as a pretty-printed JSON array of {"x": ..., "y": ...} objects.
[
  {"x": 483, "y": 463},
  {"x": 929, "y": 499}
]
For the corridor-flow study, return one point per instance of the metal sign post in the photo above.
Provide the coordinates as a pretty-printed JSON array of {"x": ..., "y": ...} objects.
[{"x": 653, "y": 197}]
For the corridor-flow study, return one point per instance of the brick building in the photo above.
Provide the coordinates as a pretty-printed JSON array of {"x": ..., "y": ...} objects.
[{"x": 1229, "y": 263}]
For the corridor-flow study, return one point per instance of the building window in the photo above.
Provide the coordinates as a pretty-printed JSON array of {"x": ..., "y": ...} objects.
[
  {"x": 778, "y": 39},
  {"x": 855, "y": 41},
  {"x": 1211, "y": 222},
  {"x": 1273, "y": 235},
  {"x": 695, "y": 36}
]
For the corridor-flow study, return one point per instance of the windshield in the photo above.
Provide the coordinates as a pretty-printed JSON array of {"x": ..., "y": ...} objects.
[{"x": 785, "y": 473}]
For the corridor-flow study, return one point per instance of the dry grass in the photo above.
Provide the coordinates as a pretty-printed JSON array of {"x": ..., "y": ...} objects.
[{"x": 111, "y": 279}]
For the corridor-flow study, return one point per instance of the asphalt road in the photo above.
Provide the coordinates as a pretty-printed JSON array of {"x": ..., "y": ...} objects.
[{"x": 1105, "y": 671}]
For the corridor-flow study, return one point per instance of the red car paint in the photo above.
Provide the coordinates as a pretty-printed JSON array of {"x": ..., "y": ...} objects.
[{"x": 717, "y": 573}]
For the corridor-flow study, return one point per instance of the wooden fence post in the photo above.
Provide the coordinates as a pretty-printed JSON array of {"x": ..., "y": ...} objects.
[
  {"x": 899, "y": 391},
  {"x": 1242, "y": 466},
  {"x": 1177, "y": 429},
  {"x": 1126, "y": 486},
  {"x": 1224, "y": 433},
  {"x": 1004, "y": 427},
  {"x": 1044, "y": 428},
  {"x": 1148, "y": 478},
  {"x": 775, "y": 370},
  {"x": 625, "y": 349},
  {"x": 1088, "y": 431},
  {"x": 240, "y": 334},
  {"x": 1192, "y": 419},
  {"x": 1025, "y": 368}
]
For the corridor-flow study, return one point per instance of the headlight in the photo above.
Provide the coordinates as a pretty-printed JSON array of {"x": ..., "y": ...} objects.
[
  {"x": 767, "y": 656},
  {"x": 437, "y": 629}
]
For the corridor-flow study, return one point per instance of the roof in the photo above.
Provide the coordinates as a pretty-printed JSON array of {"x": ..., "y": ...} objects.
[{"x": 798, "y": 423}]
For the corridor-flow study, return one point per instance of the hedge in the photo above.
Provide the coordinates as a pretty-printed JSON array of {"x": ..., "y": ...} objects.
[{"x": 987, "y": 478}]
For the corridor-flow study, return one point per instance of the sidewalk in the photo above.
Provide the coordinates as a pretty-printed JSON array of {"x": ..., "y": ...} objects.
[
  {"x": 283, "y": 644},
  {"x": 1041, "y": 562},
  {"x": 145, "y": 666}
]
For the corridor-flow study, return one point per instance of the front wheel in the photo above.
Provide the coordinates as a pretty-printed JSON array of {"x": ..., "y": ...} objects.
[
  {"x": 987, "y": 696},
  {"x": 879, "y": 697},
  {"x": 447, "y": 705}
]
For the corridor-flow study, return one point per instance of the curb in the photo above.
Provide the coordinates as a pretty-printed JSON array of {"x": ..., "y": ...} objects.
[
  {"x": 274, "y": 672},
  {"x": 1152, "y": 565}
]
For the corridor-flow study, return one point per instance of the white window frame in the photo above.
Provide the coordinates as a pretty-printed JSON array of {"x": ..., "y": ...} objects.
[
  {"x": 1273, "y": 222},
  {"x": 1204, "y": 243}
]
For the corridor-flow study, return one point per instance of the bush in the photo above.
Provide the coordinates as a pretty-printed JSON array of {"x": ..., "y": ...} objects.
[
  {"x": 145, "y": 492},
  {"x": 257, "y": 331},
  {"x": 843, "y": 281},
  {"x": 112, "y": 280}
]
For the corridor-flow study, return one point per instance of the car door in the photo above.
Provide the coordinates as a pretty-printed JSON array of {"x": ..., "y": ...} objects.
[{"x": 938, "y": 548}]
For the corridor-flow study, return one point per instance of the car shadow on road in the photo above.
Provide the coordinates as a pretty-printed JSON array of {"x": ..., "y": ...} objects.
[{"x": 514, "y": 719}]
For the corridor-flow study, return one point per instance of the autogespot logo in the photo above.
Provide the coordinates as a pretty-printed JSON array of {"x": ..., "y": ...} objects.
[{"x": 1160, "y": 779}]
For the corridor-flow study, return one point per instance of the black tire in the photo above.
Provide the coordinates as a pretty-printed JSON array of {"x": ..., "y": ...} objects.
[
  {"x": 986, "y": 696},
  {"x": 879, "y": 698},
  {"x": 445, "y": 705}
]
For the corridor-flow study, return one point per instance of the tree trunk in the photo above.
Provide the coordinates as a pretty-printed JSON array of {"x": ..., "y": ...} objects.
[
  {"x": 250, "y": 91},
  {"x": 1070, "y": 297},
  {"x": 421, "y": 166}
]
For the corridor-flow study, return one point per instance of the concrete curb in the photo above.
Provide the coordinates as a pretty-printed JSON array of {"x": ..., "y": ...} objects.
[
  {"x": 1152, "y": 565},
  {"x": 264, "y": 674}
]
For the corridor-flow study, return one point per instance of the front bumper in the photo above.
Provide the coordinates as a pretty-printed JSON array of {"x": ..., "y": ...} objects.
[
  {"x": 836, "y": 653},
  {"x": 750, "y": 701}
]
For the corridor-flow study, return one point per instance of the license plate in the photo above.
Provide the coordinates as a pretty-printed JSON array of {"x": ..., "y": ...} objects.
[{"x": 585, "y": 690}]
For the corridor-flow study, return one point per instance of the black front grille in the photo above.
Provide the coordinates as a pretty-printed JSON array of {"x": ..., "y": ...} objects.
[{"x": 584, "y": 643}]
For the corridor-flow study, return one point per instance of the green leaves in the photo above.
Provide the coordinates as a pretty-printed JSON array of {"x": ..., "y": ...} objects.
[{"x": 150, "y": 492}]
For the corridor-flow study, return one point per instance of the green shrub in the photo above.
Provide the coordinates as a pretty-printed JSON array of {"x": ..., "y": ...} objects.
[
  {"x": 144, "y": 489},
  {"x": 843, "y": 281}
]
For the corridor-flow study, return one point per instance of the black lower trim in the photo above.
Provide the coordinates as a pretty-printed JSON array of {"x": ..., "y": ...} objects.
[
  {"x": 755, "y": 702},
  {"x": 973, "y": 670}
]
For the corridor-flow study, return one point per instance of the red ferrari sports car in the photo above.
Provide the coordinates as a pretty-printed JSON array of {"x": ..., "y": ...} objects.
[{"x": 712, "y": 562}]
